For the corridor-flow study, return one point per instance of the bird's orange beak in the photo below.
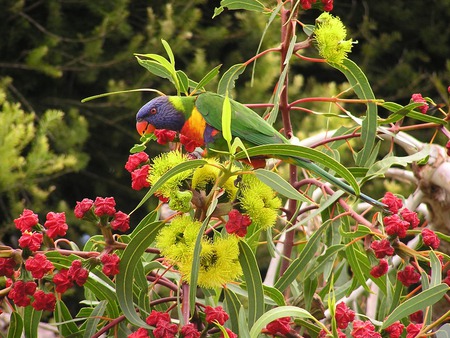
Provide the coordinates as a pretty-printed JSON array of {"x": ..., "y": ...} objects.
[{"x": 144, "y": 127}]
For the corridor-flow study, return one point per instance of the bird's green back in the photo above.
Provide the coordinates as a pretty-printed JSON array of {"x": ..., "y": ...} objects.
[{"x": 245, "y": 123}]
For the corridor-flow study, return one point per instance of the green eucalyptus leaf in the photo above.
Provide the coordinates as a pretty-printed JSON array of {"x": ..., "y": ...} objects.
[
  {"x": 15, "y": 325},
  {"x": 32, "y": 323},
  {"x": 207, "y": 78},
  {"x": 94, "y": 319},
  {"x": 249, "y": 5},
  {"x": 227, "y": 81}
]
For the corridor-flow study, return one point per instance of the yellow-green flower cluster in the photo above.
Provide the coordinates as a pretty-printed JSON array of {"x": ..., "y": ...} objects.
[
  {"x": 205, "y": 176},
  {"x": 161, "y": 165},
  {"x": 330, "y": 34},
  {"x": 259, "y": 202},
  {"x": 219, "y": 262}
]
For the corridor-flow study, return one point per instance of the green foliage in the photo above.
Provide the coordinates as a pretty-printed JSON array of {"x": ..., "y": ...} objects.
[{"x": 34, "y": 151}]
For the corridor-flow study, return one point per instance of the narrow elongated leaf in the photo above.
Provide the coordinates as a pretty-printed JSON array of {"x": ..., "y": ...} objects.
[
  {"x": 232, "y": 306},
  {"x": 290, "y": 150},
  {"x": 227, "y": 81},
  {"x": 92, "y": 322},
  {"x": 280, "y": 185},
  {"x": 207, "y": 78},
  {"x": 226, "y": 119},
  {"x": 130, "y": 258},
  {"x": 15, "y": 325},
  {"x": 400, "y": 111},
  {"x": 362, "y": 88},
  {"x": 254, "y": 283},
  {"x": 121, "y": 92},
  {"x": 249, "y": 5},
  {"x": 299, "y": 264},
  {"x": 275, "y": 295},
  {"x": 169, "y": 52},
  {"x": 419, "y": 302},
  {"x": 183, "y": 80},
  {"x": 172, "y": 172},
  {"x": 279, "y": 312},
  {"x": 64, "y": 320},
  {"x": 436, "y": 270},
  {"x": 324, "y": 259},
  {"x": 244, "y": 331},
  {"x": 155, "y": 68},
  {"x": 31, "y": 324}
]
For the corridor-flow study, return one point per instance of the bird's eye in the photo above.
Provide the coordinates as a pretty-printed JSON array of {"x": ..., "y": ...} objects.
[{"x": 153, "y": 111}]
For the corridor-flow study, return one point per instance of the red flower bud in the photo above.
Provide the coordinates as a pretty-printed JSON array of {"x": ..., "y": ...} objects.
[
  {"x": 408, "y": 276},
  {"x": 7, "y": 266},
  {"x": 380, "y": 269},
  {"x": 155, "y": 317},
  {"x": 44, "y": 301},
  {"x": 395, "y": 330},
  {"x": 62, "y": 281},
  {"x": 382, "y": 248},
  {"x": 364, "y": 329},
  {"x": 110, "y": 264},
  {"x": 140, "y": 333},
  {"x": 189, "y": 144},
  {"x": 279, "y": 326},
  {"x": 410, "y": 217},
  {"x": 77, "y": 273},
  {"x": 343, "y": 315},
  {"x": 121, "y": 222},
  {"x": 395, "y": 226},
  {"x": 105, "y": 206},
  {"x": 164, "y": 135},
  {"x": 393, "y": 202},
  {"x": 216, "y": 314},
  {"x": 56, "y": 224},
  {"x": 419, "y": 99},
  {"x": 413, "y": 330},
  {"x": 26, "y": 220},
  {"x": 189, "y": 331},
  {"x": 31, "y": 240},
  {"x": 139, "y": 178},
  {"x": 135, "y": 160},
  {"x": 83, "y": 207},
  {"x": 430, "y": 238},
  {"x": 38, "y": 265},
  {"x": 237, "y": 223},
  {"x": 20, "y": 292}
]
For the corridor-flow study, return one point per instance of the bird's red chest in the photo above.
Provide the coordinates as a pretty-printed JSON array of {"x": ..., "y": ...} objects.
[{"x": 194, "y": 127}]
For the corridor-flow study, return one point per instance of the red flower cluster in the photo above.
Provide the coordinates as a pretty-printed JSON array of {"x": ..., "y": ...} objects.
[
  {"x": 419, "y": 99},
  {"x": 395, "y": 226},
  {"x": 139, "y": 168},
  {"x": 393, "y": 202},
  {"x": 83, "y": 207},
  {"x": 38, "y": 265},
  {"x": 31, "y": 240},
  {"x": 410, "y": 217},
  {"x": 65, "y": 278},
  {"x": 164, "y": 135},
  {"x": 364, "y": 329},
  {"x": 105, "y": 206},
  {"x": 7, "y": 266},
  {"x": 44, "y": 301},
  {"x": 21, "y": 292},
  {"x": 413, "y": 330},
  {"x": 237, "y": 223},
  {"x": 216, "y": 314},
  {"x": 110, "y": 264},
  {"x": 163, "y": 327},
  {"x": 56, "y": 224},
  {"x": 408, "y": 276},
  {"x": 279, "y": 326},
  {"x": 189, "y": 331},
  {"x": 230, "y": 334},
  {"x": 381, "y": 269},
  {"x": 382, "y": 248},
  {"x": 430, "y": 238},
  {"x": 189, "y": 144},
  {"x": 343, "y": 315},
  {"x": 121, "y": 221},
  {"x": 416, "y": 317},
  {"x": 26, "y": 220},
  {"x": 307, "y": 4},
  {"x": 140, "y": 333},
  {"x": 395, "y": 330}
]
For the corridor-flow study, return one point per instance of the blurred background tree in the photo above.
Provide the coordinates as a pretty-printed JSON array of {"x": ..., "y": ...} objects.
[{"x": 54, "y": 53}]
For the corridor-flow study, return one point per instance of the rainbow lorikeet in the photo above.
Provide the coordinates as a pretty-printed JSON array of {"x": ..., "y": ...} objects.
[{"x": 198, "y": 120}]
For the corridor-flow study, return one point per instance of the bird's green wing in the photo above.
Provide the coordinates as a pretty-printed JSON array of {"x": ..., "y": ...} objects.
[{"x": 245, "y": 123}]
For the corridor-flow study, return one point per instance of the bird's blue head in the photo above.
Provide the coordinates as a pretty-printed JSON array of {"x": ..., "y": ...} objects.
[{"x": 159, "y": 113}]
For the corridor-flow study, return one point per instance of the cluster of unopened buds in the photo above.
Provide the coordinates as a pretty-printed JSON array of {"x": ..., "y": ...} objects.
[
  {"x": 26, "y": 268},
  {"x": 327, "y": 5}
]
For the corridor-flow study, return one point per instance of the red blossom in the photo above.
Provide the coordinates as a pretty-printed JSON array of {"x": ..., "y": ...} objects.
[
  {"x": 381, "y": 269},
  {"x": 237, "y": 223},
  {"x": 343, "y": 315},
  {"x": 410, "y": 217},
  {"x": 327, "y": 5},
  {"x": 44, "y": 301},
  {"x": 430, "y": 238},
  {"x": 31, "y": 240},
  {"x": 77, "y": 273},
  {"x": 7, "y": 266},
  {"x": 279, "y": 326},
  {"x": 382, "y": 248},
  {"x": 395, "y": 330},
  {"x": 230, "y": 333},
  {"x": 416, "y": 317},
  {"x": 408, "y": 276},
  {"x": 216, "y": 314},
  {"x": 110, "y": 264},
  {"x": 393, "y": 202},
  {"x": 56, "y": 224},
  {"x": 140, "y": 333},
  {"x": 447, "y": 146},
  {"x": 419, "y": 99},
  {"x": 189, "y": 331},
  {"x": 189, "y": 144},
  {"x": 121, "y": 221},
  {"x": 62, "y": 281},
  {"x": 105, "y": 206},
  {"x": 139, "y": 178},
  {"x": 155, "y": 317},
  {"x": 447, "y": 278},
  {"x": 83, "y": 207},
  {"x": 38, "y": 265},
  {"x": 364, "y": 330},
  {"x": 164, "y": 135},
  {"x": 165, "y": 330},
  {"x": 395, "y": 226},
  {"x": 26, "y": 220},
  {"x": 21, "y": 291},
  {"x": 135, "y": 160},
  {"x": 413, "y": 330},
  {"x": 306, "y": 4}
]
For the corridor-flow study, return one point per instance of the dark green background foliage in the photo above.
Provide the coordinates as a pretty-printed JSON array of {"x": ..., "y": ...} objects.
[{"x": 58, "y": 52}]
